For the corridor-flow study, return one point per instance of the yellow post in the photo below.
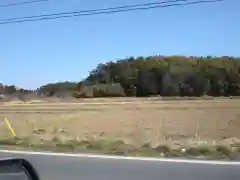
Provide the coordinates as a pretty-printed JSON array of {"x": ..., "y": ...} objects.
[{"x": 10, "y": 127}]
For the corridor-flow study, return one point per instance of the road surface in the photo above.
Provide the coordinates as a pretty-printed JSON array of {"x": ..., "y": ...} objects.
[{"x": 82, "y": 167}]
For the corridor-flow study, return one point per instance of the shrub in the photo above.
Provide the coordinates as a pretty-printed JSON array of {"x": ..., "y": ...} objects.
[{"x": 105, "y": 90}]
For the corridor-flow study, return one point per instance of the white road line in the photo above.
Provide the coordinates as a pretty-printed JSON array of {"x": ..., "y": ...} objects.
[{"x": 106, "y": 157}]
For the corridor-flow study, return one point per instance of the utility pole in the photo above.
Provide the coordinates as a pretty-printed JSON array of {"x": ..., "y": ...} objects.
[{"x": 2, "y": 87}]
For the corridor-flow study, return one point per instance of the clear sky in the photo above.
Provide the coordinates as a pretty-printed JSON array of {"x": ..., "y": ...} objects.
[{"x": 35, "y": 53}]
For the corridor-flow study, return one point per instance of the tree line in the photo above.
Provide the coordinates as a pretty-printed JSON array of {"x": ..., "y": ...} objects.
[
  {"x": 170, "y": 76},
  {"x": 156, "y": 75}
]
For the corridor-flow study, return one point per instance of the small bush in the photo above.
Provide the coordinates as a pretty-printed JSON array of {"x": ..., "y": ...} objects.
[
  {"x": 10, "y": 141},
  {"x": 146, "y": 145},
  {"x": 106, "y": 90},
  {"x": 193, "y": 151},
  {"x": 65, "y": 147},
  {"x": 162, "y": 149},
  {"x": 224, "y": 151},
  {"x": 95, "y": 145},
  {"x": 204, "y": 150},
  {"x": 238, "y": 147}
]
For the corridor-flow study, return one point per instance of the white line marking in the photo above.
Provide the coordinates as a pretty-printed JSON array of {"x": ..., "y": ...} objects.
[{"x": 106, "y": 157}]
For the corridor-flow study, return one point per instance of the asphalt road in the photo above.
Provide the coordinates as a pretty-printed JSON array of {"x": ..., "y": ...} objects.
[{"x": 53, "y": 167}]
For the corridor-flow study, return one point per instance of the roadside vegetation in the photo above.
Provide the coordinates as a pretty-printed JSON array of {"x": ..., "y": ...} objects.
[{"x": 117, "y": 147}]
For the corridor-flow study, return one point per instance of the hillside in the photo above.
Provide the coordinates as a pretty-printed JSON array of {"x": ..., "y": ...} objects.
[
  {"x": 172, "y": 76},
  {"x": 150, "y": 76}
]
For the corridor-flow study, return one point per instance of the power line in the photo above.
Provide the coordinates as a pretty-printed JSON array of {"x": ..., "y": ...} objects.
[
  {"x": 79, "y": 13},
  {"x": 22, "y": 3},
  {"x": 94, "y": 10}
]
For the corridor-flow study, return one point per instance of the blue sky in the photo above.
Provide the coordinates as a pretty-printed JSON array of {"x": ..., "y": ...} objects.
[{"x": 36, "y": 53}]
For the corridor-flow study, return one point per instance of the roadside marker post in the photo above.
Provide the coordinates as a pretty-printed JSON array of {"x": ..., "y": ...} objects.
[{"x": 10, "y": 127}]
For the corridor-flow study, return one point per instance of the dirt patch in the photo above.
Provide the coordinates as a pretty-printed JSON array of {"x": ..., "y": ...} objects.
[{"x": 154, "y": 122}]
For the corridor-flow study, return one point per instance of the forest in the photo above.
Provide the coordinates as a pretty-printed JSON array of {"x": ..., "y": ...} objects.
[
  {"x": 154, "y": 76},
  {"x": 167, "y": 76}
]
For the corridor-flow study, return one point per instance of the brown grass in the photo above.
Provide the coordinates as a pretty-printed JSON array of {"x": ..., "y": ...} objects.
[{"x": 136, "y": 122}]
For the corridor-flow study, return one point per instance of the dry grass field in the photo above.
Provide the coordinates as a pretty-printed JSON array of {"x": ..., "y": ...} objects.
[{"x": 135, "y": 121}]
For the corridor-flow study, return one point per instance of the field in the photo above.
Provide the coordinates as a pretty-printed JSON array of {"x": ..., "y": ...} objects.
[{"x": 134, "y": 121}]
